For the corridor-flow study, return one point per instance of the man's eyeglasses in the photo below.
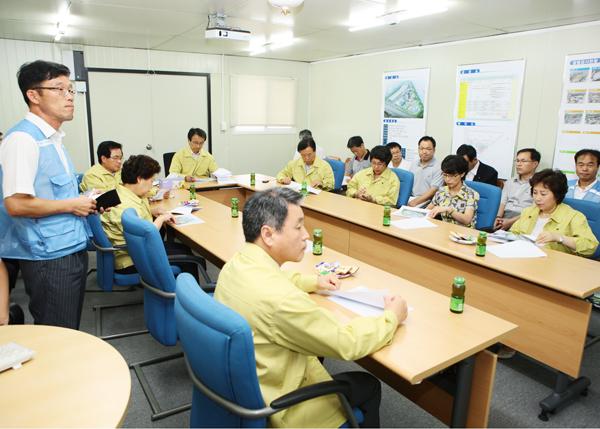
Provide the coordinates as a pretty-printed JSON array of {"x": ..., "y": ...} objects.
[
  {"x": 117, "y": 158},
  {"x": 428, "y": 149},
  {"x": 61, "y": 91},
  {"x": 522, "y": 161},
  {"x": 449, "y": 176},
  {"x": 377, "y": 164}
]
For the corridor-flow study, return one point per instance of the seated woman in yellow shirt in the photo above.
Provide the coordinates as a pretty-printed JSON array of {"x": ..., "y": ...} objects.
[
  {"x": 193, "y": 162},
  {"x": 138, "y": 173},
  {"x": 555, "y": 224},
  {"x": 376, "y": 184}
]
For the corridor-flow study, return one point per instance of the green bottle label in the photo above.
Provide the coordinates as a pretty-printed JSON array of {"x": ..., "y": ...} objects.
[
  {"x": 317, "y": 248},
  {"x": 387, "y": 221},
  {"x": 480, "y": 250},
  {"x": 457, "y": 304}
]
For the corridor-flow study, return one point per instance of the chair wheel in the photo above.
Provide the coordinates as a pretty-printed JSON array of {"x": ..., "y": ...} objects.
[
  {"x": 543, "y": 416},
  {"x": 584, "y": 392}
]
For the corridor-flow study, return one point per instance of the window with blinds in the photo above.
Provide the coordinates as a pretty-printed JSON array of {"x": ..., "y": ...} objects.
[{"x": 262, "y": 104}]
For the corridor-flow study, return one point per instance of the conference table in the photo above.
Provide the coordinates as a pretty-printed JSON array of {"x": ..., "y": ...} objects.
[
  {"x": 543, "y": 296},
  {"x": 431, "y": 339},
  {"x": 73, "y": 380}
]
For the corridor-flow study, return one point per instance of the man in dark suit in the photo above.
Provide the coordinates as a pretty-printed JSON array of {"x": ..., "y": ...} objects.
[{"x": 478, "y": 171}]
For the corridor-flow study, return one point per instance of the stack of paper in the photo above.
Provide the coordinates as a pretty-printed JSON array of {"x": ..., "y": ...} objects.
[
  {"x": 413, "y": 224},
  {"x": 361, "y": 300},
  {"x": 298, "y": 187},
  {"x": 517, "y": 249},
  {"x": 411, "y": 212},
  {"x": 223, "y": 177}
]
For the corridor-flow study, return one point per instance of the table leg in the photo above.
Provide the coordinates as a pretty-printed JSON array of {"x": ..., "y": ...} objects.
[
  {"x": 563, "y": 393},
  {"x": 464, "y": 378}
]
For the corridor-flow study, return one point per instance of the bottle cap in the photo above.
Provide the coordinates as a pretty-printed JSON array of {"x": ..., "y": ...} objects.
[
  {"x": 234, "y": 199},
  {"x": 459, "y": 280},
  {"x": 482, "y": 233},
  {"x": 387, "y": 207},
  {"x": 317, "y": 231}
]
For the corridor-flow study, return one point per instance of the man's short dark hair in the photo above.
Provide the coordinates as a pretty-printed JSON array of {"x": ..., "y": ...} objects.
[
  {"x": 34, "y": 73},
  {"x": 554, "y": 180},
  {"x": 427, "y": 138},
  {"x": 306, "y": 143},
  {"x": 355, "y": 141},
  {"x": 196, "y": 132},
  {"x": 392, "y": 145},
  {"x": 382, "y": 153},
  {"x": 304, "y": 134},
  {"x": 534, "y": 154},
  {"x": 455, "y": 164},
  {"x": 582, "y": 152},
  {"x": 139, "y": 166},
  {"x": 106, "y": 147},
  {"x": 269, "y": 208},
  {"x": 468, "y": 150}
]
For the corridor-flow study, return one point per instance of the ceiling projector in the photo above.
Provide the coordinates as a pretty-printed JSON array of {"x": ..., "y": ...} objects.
[{"x": 227, "y": 33}]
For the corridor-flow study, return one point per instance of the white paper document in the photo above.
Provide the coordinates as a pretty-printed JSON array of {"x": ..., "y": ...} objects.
[
  {"x": 517, "y": 249},
  {"x": 223, "y": 177},
  {"x": 298, "y": 187},
  {"x": 413, "y": 224},
  {"x": 411, "y": 212},
  {"x": 185, "y": 210},
  {"x": 172, "y": 176},
  {"x": 361, "y": 300},
  {"x": 188, "y": 219}
]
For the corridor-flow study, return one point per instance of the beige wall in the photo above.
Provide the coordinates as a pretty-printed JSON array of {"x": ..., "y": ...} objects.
[
  {"x": 238, "y": 153},
  {"x": 346, "y": 94}
]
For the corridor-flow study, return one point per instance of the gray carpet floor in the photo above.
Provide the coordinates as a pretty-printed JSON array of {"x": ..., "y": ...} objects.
[{"x": 520, "y": 382}]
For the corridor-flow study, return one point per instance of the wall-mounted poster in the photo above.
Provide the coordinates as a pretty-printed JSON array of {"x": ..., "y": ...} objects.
[
  {"x": 486, "y": 111},
  {"x": 579, "y": 114},
  {"x": 404, "y": 109}
]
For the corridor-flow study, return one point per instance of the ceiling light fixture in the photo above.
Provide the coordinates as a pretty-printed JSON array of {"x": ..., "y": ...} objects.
[
  {"x": 402, "y": 15},
  {"x": 285, "y": 6},
  {"x": 268, "y": 47},
  {"x": 63, "y": 22}
]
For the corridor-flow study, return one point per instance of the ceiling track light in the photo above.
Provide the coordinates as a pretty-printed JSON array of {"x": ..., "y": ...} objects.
[{"x": 62, "y": 24}]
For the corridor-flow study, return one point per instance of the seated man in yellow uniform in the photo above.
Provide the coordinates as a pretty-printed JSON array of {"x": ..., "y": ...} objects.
[
  {"x": 105, "y": 175},
  {"x": 376, "y": 184},
  {"x": 288, "y": 328},
  {"x": 309, "y": 168},
  {"x": 193, "y": 162},
  {"x": 138, "y": 174}
]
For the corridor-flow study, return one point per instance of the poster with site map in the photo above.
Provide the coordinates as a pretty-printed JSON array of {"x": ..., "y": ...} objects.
[
  {"x": 579, "y": 114},
  {"x": 404, "y": 109}
]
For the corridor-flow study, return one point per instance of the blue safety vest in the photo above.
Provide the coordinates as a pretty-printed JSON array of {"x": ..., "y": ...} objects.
[{"x": 48, "y": 237}]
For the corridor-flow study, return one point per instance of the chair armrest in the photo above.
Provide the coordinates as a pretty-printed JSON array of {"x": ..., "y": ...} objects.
[
  {"x": 193, "y": 259},
  {"x": 108, "y": 249},
  {"x": 313, "y": 391}
]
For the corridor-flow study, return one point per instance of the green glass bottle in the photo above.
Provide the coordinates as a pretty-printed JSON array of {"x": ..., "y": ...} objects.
[
  {"x": 387, "y": 216},
  {"x": 457, "y": 299},
  {"x": 318, "y": 242},
  {"x": 481, "y": 244},
  {"x": 304, "y": 191},
  {"x": 192, "y": 191},
  {"x": 252, "y": 179},
  {"x": 234, "y": 208}
]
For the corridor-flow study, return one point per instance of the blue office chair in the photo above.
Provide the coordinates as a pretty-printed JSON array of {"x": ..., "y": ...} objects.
[
  {"x": 592, "y": 214},
  {"x": 79, "y": 177},
  {"x": 219, "y": 355},
  {"x": 147, "y": 251},
  {"x": 339, "y": 169},
  {"x": 406, "y": 184},
  {"x": 106, "y": 276},
  {"x": 489, "y": 203}
]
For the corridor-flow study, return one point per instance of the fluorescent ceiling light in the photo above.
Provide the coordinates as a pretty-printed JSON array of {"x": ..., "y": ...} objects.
[
  {"x": 268, "y": 47},
  {"x": 402, "y": 15},
  {"x": 61, "y": 26}
]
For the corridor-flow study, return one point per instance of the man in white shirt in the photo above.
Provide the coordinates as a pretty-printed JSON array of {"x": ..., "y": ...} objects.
[
  {"x": 306, "y": 134},
  {"x": 41, "y": 213},
  {"x": 397, "y": 160},
  {"x": 428, "y": 174},
  {"x": 587, "y": 186}
]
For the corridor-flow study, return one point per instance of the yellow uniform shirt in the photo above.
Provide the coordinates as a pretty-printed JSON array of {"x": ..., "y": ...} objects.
[
  {"x": 99, "y": 177},
  {"x": 111, "y": 222},
  {"x": 385, "y": 189},
  {"x": 565, "y": 221},
  {"x": 320, "y": 170},
  {"x": 184, "y": 164},
  {"x": 289, "y": 330}
]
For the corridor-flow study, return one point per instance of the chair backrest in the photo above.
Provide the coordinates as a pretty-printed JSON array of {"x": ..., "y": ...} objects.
[
  {"x": 500, "y": 183},
  {"x": 150, "y": 259},
  {"x": 105, "y": 261},
  {"x": 338, "y": 171},
  {"x": 592, "y": 214},
  {"x": 218, "y": 345},
  {"x": 79, "y": 177},
  {"x": 167, "y": 158},
  {"x": 406, "y": 185},
  {"x": 488, "y": 205}
]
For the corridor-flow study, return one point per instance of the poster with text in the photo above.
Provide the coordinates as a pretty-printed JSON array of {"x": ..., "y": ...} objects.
[
  {"x": 404, "y": 109},
  {"x": 486, "y": 111},
  {"x": 579, "y": 114}
]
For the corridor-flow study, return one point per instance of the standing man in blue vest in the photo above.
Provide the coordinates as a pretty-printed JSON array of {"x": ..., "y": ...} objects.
[{"x": 42, "y": 216}]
